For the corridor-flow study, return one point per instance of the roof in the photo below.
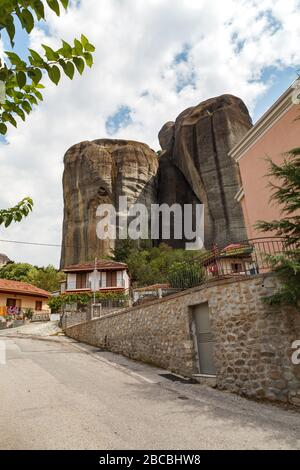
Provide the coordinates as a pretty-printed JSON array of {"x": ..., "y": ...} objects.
[
  {"x": 280, "y": 107},
  {"x": 18, "y": 287},
  {"x": 102, "y": 264},
  {"x": 236, "y": 250}
]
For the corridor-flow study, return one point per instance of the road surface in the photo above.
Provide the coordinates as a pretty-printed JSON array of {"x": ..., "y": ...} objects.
[{"x": 56, "y": 394}]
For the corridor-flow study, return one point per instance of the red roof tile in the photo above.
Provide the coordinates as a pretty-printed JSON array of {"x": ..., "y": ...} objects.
[
  {"x": 102, "y": 264},
  {"x": 7, "y": 285}
]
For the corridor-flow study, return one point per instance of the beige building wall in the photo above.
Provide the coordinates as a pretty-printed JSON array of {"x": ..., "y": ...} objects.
[{"x": 27, "y": 301}]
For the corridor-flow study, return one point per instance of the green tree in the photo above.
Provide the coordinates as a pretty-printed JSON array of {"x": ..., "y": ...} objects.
[
  {"x": 47, "y": 278},
  {"x": 160, "y": 265},
  {"x": 20, "y": 80},
  {"x": 287, "y": 194},
  {"x": 16, "y": 271}
]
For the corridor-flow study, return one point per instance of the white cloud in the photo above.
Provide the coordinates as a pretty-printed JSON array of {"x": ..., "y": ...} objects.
[{"x": 229, "y": 44}]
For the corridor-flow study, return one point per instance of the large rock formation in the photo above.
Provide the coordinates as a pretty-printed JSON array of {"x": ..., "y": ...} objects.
[
  {"x": 195, "y": 166},
  {"x": 99, "y": 172}
]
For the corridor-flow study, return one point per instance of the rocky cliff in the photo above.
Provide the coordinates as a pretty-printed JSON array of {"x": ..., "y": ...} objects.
[
  {"x": 195, "y": 166},
  {"x": 99, "y": 172}
]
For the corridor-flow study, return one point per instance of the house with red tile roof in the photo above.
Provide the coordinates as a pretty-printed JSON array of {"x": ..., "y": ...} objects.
[
  {"x": 102, "y": 276},
  {"x": 18, "y": 296}
]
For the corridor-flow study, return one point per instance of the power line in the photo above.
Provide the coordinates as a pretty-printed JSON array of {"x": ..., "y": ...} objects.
[{"x": 30, "y": 243}]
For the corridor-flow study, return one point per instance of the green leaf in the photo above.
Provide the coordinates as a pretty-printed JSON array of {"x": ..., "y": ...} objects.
[
  {"x": 50, "y": 53},
  {"x": 3, "y": 128},
  {"x": 90, "y": 48},
  {"x": 68, "y": 68},
  {"x": 8, "y": 220},
  {"x": 28, "y": 21},
  {"x": 78, "y": 47},
  {"x": 11, "y": 119},
  {"x": 38, "y": 60},
  {"x": 54, "y": 5},
  {"x": 15, "y": 59},
  {"x": 86, "y": 44},
  {"x": 65, "y": 3},
  {"x": 39, "y": 9},
  {"x": 38, "y": 95},
  {"x": 3, "y": 74},
  {"x": 20, "y": 113},
  {"x": 21, "y": 79},
  {"x": 84, "y": 40},
  {"x": 26, "y": 106},
  {"x": 32, "y": 99},
  {"x": 66, "y": 50},
  {"x": 35, "y": 75},
  {"x": 79, "y": 62},
  {"x": 88, "y": 58},
  {"x": 54, "y": 74},
  {"x": 10, "y": 28}
]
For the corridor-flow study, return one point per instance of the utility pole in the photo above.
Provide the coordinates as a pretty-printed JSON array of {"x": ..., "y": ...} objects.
[{"x": 94, "y": 289}]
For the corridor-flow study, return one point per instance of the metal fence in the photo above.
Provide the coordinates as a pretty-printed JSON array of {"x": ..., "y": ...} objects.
[{"x": 248, "y": 258}]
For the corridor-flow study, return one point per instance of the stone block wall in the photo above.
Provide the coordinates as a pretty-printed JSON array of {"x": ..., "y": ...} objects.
[{"x": 253, "y": 342}]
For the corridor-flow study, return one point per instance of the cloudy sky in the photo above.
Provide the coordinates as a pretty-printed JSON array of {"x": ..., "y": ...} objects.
[{"x": 154, "y": 58}]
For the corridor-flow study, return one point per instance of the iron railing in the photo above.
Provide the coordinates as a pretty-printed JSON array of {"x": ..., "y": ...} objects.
[{"x": 247, "y": 258}]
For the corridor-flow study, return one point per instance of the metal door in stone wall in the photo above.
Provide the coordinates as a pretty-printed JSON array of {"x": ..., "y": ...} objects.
[{"x": 205, "y": 339}]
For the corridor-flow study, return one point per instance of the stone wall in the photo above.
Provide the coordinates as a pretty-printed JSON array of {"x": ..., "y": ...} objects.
[{"x": 253, "y": 342}]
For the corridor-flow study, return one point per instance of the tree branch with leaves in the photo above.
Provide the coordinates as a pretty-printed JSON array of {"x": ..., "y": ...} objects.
[
  {"x": 287, "y": 194},
  {"x": 21, "y": 79}
]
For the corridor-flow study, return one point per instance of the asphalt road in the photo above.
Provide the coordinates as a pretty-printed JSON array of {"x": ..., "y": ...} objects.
[{"x": 56, "y": 396}]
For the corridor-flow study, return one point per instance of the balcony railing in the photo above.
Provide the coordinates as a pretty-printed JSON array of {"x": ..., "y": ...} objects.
[
  {"x": 247, "y": 258},
  {"x": 72, "y": 285}
]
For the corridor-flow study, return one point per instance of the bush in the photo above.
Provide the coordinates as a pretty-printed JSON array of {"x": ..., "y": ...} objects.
[{"x": 183, "y": 276}]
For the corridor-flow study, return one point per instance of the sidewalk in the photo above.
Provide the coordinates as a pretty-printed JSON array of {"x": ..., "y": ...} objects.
[{"x": 41, "y": 329}]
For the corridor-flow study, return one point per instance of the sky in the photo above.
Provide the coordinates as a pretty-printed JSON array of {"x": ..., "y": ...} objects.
[{"x": 153, "y": 59}]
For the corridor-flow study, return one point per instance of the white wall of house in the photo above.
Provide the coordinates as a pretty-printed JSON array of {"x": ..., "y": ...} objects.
[
  {"x": 71, "y": 281},
  {"x": 126, "y": 279},
  {"x": 123, "y": 280},
  {"x": 94, "y": 278}
]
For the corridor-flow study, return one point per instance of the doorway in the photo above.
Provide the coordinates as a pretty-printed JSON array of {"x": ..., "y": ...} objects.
[{"x": 204, "y": 339}]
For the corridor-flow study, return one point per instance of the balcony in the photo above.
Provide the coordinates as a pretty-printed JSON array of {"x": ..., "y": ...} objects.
[{"x": 72, "y": 286}]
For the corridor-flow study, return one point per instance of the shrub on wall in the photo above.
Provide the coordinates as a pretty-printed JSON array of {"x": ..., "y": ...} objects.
[{"x": 57, "y": 303}]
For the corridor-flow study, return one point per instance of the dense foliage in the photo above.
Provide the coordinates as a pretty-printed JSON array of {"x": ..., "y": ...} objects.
[
  {"x": 147, "y": 265},
  {"x": 287, "y": 194},
  {"x": 20, "y": 79},
  {"x": 47, "y": 278}
]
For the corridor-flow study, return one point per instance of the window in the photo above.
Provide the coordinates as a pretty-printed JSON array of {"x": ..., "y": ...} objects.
[
  {"x": 237, "y": 268},
  {"x": 11, "y": 302},
  {"x": 38, "y": 305},
  {"x": 81, "y": 281},
  {"x": 111, "y": 279}
]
